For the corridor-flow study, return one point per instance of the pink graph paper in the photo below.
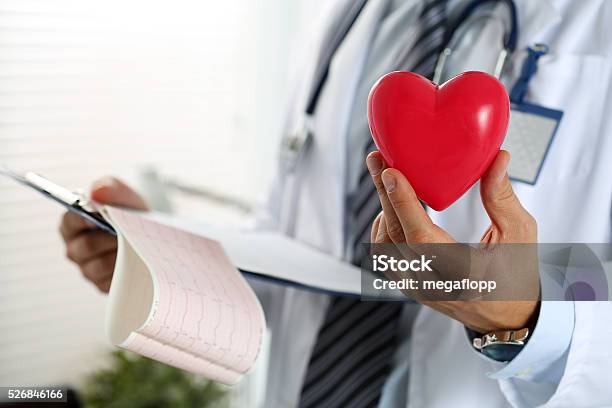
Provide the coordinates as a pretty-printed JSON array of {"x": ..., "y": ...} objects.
[{"x": 204, "y": 317}]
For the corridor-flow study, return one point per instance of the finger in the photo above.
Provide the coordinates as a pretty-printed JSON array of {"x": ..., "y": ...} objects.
[
  {"x": 100, "y": 270},
  {"x": 375, "y": 227},
  {"x": 109, "y": 190},
  {"x": 415, "y": 222},
  {"x": 104, "y": 286},
  {"x": 398, "y": 250},
  {"x": 73, "y": 224},
  {"x": 376, "y": 166},
  {"x": 383, "y": 235},
  {"x": 87, "y": 246},
  {"x": 499, "y": 200}
]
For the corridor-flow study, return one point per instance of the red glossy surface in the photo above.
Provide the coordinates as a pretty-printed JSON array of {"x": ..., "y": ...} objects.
[{"x": 441, "y": 138}]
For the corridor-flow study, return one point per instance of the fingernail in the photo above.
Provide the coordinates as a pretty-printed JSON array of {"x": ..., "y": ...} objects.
[
  {"x": 375, "y": 165},
  {"x": 389, "y": 181},
  {"x": 103, "y": 182}
]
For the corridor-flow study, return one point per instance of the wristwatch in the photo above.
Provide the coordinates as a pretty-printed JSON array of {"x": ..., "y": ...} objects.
[{"x": 502, "y": 345}]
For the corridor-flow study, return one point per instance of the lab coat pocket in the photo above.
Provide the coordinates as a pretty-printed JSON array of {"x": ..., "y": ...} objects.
[
  {"x": 577, "y": 84},
  {"x": 570, "y": 199}
]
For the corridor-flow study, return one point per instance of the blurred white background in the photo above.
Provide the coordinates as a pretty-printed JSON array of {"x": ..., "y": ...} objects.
[{"x": 193, "y": 90}]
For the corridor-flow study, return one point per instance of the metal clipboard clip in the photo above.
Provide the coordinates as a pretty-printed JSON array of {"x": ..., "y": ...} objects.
[{"x": 72, "y": 201}]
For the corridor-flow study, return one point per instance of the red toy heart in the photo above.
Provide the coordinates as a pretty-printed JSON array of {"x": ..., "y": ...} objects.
[{"x": 442, "y": 138}]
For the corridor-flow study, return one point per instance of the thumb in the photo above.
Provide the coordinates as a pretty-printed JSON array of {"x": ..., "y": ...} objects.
[
  {"x": 498, "y": 198},
  {"x": 109, "y": 190}
]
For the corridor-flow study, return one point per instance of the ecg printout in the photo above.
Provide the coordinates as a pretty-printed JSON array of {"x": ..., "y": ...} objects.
[{"x": 204, "y": 317}]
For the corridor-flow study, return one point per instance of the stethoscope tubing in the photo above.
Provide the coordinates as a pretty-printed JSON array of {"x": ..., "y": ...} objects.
[{"x": 457, "y": 27}]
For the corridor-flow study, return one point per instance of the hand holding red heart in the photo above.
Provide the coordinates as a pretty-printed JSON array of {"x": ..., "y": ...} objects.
[
  {"x": 443, "y": 139},
  {"x": 404, "y": 220}
]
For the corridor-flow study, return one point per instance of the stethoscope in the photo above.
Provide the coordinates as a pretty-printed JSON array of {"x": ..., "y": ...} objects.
[{"x": 295, "y": 144}]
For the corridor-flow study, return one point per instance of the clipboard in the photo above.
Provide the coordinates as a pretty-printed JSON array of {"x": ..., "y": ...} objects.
[{"x": 263, "y": 255}]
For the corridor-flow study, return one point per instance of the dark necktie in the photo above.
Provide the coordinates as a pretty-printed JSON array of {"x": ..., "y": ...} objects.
[{"x": 352, "y": 356}]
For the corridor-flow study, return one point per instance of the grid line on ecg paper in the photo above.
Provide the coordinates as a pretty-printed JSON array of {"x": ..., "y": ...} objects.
[{"x": 217, "y": 300}]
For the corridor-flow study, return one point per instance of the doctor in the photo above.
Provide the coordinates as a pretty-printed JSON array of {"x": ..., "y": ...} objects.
[{"x": 336, "y": 352}]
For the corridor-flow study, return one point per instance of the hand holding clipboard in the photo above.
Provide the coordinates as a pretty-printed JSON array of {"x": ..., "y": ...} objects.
[{"x": 74, "y": 202}]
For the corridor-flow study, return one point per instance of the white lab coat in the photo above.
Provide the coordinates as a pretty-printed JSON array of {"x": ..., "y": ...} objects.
[{"x": 571, "y": 202}]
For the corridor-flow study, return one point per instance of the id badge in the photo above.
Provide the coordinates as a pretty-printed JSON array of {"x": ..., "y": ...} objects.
[
  {"x": 532, "y": 128},
  {"x": 531, "y": 131}
]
